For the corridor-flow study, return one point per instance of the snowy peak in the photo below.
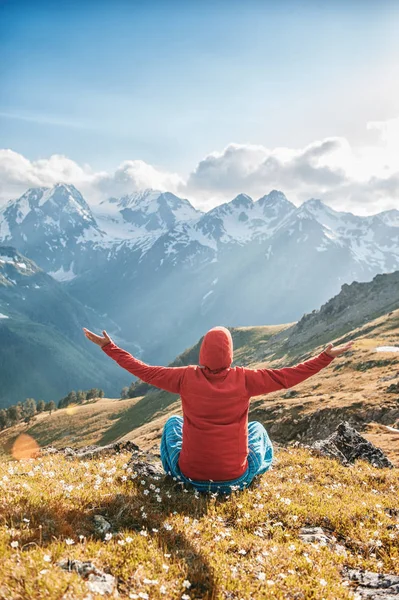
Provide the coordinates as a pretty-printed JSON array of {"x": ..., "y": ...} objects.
[
  {"x": 275, "y": 197},
  {"x": 138, "y": 199},
  {"x": 242, "y": 201},
  {"x": 48, "y": 225},
  {"x": 275, "y": 206},
  {"x": 390, "y": 217},
  {"x": 56, "y": 207},
  {"x": 314, "y": 204},
  {"x": 242, "y": 220},
  {"x": 150, "y": 201},
  {"x": 67, "y": 197},
  {"x": 144, "y": 213}
]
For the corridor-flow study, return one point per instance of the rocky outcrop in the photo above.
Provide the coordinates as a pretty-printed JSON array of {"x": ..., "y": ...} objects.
[
  {"x": 373, "y": 585},
  {"x": 295, "y": 422},
  {"x": 347, "y": 445},
  {"x": 88, "y": 452},
  {"x": 356, "y": 304}
]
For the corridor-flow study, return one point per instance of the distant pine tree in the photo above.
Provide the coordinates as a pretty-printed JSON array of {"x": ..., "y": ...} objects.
[
  {"x": 72, "y": 398},
  {"x": 29, "y": 409},
  {"x": 125, "y": 393},
  {"x": 14, "y": 413},
  {"x": 94, "y": 393},
  {"x": 50, "y": 406},
  {"x": 80, "y": 396},
  {"x": 40, "y": 406}
]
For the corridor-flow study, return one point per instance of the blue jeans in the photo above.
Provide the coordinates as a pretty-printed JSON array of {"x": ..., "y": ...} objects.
[{"x": 260, "y": 457}]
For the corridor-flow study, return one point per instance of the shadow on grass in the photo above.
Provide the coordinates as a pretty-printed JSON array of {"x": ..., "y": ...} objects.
[{"x": 122, "y": 510}]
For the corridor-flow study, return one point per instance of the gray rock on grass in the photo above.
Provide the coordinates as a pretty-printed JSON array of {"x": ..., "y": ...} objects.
[
  {"x": 347, "y": 445},
  {"x": 98, "y": 582},
  {"x": 373, "y": 585}
]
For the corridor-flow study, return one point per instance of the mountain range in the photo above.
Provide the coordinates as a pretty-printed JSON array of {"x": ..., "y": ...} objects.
[{"x": 164, "y": 271}]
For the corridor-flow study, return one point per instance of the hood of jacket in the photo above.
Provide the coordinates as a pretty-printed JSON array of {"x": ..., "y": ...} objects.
[{"x": 216, "y": 352}]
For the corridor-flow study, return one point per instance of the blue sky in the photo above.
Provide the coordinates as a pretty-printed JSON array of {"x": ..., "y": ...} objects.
[{"x": 170, "y": 82}]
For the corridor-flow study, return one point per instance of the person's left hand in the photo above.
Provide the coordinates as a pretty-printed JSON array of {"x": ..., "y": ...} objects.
[
  {"x": 331, "y": 351},
  {"x": 97, "y": 339}
]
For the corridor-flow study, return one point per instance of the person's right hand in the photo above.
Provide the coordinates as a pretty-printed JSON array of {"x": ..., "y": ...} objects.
[{"x": 97, "y": 339}]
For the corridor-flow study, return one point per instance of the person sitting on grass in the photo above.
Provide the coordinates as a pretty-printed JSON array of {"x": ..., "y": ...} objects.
[{"x": 213, "y": 447}]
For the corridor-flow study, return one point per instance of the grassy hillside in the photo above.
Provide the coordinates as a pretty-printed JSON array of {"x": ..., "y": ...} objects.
[
  {"x": 43, "y": 352},
  {"x": 354, "y": 387},
  {"x": 40, "y": 362},
  {"x": 165, "y": 543},
  {"x": 74, "y": 426}
]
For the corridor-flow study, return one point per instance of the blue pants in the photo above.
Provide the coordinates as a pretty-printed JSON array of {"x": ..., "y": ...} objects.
[{"x": 260, "y": 457}]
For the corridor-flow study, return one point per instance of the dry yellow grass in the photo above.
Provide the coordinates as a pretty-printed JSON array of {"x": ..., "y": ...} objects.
[
  {"x": 167, "y": 542},
  {"x": 74, "y": 426}
]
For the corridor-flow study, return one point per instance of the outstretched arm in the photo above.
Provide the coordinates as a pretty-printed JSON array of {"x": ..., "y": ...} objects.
[
  {"x": 165, "y": 378},
  {"x": 264, "y": 381}
]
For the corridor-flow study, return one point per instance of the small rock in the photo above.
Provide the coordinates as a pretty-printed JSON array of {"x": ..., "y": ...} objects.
[
  {"x": 389, "y": 377},
  {"x": 316, "y": 535},
  {"x": 347, "y": 445},
  {"x": 373, "y": 585},
  {"x": 102, "y": 583},
  {"x": 146, "y": 469},
  {"x": 98, "y": 582},
  {"x": 291, "y": 394},
  {"x": 101, "y": 525}
]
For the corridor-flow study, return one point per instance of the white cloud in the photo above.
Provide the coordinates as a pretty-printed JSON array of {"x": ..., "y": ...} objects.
[
  {"x": 17, "y": 173},
  {"x": 134, "y": 175},
  {"x": 363, "y": 179}
]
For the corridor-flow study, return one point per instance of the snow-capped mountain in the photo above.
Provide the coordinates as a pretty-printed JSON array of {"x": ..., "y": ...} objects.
[
  {"x": 66, "y": 237},
  {"x": 48, "y": 225},
  {"x": 140, "y": 218},
  {"x": 242, "y": 219},
  {"x": 58, "y": 210},
  {"x": 165, "y": 271}
]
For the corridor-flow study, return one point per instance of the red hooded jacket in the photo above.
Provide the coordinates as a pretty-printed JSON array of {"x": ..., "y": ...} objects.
[{"x": 215, "y": 401}]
